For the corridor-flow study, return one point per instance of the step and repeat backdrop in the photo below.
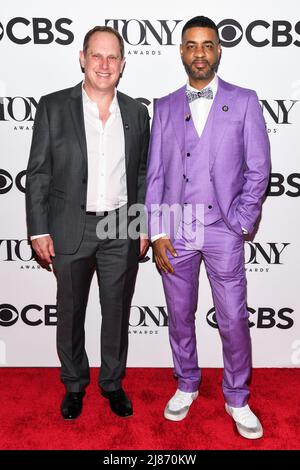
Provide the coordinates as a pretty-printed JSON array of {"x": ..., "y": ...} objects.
[{"x": 39, "y": 50}]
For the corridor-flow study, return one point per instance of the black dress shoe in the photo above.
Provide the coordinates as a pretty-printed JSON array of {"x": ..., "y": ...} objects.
[
  {"x": 119, "y": 402},
  {"x": 71, "y": 405}
]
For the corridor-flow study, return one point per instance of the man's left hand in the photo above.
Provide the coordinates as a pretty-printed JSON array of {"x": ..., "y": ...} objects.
[{"x": 144, "y": 245}]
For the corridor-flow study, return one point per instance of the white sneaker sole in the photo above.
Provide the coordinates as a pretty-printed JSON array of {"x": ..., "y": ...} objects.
[
  {"x": 172, "y": 417},
  {"x": 252, "y": 435},
  {"x": 242, "y": 432}
]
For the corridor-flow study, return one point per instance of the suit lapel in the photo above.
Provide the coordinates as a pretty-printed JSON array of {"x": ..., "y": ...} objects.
[
  {"x": 223, "y": 109},
  {"x": 76, "y": 108},
  {"x": 127, "y": 124},
  {"x": 177, "y": 110}
]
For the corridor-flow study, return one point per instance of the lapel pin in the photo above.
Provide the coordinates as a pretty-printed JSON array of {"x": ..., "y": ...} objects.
[
  {"x": 126, "y": 126},
  {"x": 225, "y": 108}
]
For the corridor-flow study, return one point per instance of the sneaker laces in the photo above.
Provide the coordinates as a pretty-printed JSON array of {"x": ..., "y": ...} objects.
[
  {"x": 245, "y": 416},
  {"x": 181, "y": 399}
]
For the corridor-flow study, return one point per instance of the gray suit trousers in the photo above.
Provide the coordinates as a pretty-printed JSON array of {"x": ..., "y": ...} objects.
[{"x": 116, "y": 263}]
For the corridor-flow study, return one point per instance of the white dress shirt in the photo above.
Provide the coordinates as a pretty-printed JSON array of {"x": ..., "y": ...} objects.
[
  {"x": 200, "y": 108},
  {"x": 107, "y": 189}
]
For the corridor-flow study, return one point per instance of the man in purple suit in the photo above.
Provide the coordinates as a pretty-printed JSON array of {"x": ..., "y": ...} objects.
[{"x": 208, "y": 171}]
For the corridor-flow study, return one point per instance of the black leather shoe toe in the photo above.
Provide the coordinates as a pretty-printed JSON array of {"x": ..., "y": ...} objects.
[
  {"x": 71, "y": 405},
  {"x": 119, "y": 402}
]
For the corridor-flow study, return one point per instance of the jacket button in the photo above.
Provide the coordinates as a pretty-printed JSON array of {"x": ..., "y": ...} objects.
[
  {"x": 184, "y": 177},
  {"x": 82, "y": 206},
  {"x": 188, "y": 154},
  {"x": 210, "y": 207},
  {"x": 84, "y": 181}
]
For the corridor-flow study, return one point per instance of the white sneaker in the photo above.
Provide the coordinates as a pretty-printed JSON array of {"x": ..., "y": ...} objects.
[
  {"x": 177, "y": 408},
  {"x": 248, "y": 425}
]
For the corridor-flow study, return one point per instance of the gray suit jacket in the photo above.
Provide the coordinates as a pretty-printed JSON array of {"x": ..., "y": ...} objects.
[{"x": 56, "y": 183}]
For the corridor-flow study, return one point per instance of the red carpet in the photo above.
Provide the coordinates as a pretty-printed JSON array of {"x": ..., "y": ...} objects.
[{"x": 30, "y": 417}]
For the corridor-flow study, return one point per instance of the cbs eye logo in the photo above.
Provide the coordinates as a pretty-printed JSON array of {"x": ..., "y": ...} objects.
[
  {"x": 1, "y": 31},
  {"x": 8, "y": 315},
  {"x": 265, "y": 318},
  {"x": 6, "y": 181},
  {"x": 230, "y": 32},
  {"x": 21, "y": 30},
  {"x": 259, "y": 33},
  {"x": 211, "y": 318},
  {"x": 31, "y": 315}
]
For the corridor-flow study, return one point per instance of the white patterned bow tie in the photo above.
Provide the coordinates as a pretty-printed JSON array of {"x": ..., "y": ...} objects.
[{"x": 194, "y": 95}]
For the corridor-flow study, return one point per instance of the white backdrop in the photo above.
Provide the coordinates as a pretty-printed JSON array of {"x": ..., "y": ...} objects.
[{"x": 39, "y": 46}]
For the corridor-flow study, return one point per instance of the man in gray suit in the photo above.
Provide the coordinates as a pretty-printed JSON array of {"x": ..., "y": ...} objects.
[{"x": 87, "y": 165}]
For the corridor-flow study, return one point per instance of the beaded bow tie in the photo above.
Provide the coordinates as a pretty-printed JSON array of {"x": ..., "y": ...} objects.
[{"x": 194, "y": 95}]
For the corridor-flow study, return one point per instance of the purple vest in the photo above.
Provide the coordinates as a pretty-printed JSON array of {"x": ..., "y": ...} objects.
[{"x": 198, "y": 186}]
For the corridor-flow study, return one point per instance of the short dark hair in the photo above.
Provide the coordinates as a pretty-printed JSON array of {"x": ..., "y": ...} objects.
[
  {"x": 103, "y": 29},
  {"x": 200, "y": 22}
]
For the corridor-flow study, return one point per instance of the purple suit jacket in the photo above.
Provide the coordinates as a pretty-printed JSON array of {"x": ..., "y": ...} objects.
[{"x": 239, "y": 155}]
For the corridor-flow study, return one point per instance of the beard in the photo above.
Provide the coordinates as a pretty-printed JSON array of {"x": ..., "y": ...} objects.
[{"x": 201, "y": 74}]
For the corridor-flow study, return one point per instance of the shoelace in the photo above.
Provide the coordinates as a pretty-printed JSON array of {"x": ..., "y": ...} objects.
[
  {"x": 245, "y": 415},
  {"x": 180, "y": 399}
]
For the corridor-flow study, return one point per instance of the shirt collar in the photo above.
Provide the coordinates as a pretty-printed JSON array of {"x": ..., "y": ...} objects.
[
  {"x": 213, "y": 84},
  {"x": 113, "y": 105}
]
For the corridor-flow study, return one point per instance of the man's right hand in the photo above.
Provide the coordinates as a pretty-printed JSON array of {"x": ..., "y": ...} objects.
[
  {"x": 160, "y": 248},
  {"x": 44, "y": 249}
]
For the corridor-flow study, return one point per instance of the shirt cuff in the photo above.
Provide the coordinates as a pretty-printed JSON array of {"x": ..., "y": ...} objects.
[
  {"x": 34, "y": 237},
  {"x": 143, "y": 236},
  {"x": 156, "y": 237}
]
